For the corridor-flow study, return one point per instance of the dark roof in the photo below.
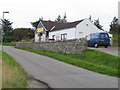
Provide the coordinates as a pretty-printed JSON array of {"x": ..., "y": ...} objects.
[{"x": 57, "y": 26}]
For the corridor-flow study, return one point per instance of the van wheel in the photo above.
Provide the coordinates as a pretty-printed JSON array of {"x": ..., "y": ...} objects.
[
  {"x": 106, "y": 46},
  {"x": 96, "y": 45}
]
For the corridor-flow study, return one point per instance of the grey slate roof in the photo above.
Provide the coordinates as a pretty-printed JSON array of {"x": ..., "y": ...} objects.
[{"x": 58, "y": 26}]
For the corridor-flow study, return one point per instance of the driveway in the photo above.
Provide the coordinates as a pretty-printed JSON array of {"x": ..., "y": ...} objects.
[
  {"x": 58, "y": 74},
  {"x": 110, "y": 50}
]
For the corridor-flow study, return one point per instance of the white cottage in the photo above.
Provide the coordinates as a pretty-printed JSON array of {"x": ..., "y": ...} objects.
[{"x": 64, "y": 31}]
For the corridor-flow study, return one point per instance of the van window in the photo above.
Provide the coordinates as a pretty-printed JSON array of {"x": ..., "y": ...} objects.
[
  {"x": 93, "y": 35},
  {"x": 103, "y": 36},
  {"x": 97, "y": 35}
]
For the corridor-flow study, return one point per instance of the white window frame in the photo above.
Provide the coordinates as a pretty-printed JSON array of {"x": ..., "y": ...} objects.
[{"x": 64, "y": 36}]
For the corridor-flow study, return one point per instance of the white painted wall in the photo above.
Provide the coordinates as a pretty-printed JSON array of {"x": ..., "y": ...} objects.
[
  {"x": 86, "y": 27},
  {"x": 42, "y": 38},
  {"x": 70, "y": 33},
  {"x": 36, "y": 37}
]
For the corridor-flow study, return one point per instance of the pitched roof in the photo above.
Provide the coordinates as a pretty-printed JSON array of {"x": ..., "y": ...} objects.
[{"x": 57, "y": 26}]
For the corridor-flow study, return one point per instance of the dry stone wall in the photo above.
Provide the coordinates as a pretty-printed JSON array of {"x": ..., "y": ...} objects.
[{"x": 68, "y": 46}]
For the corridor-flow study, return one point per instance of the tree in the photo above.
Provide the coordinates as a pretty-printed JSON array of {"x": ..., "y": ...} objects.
[
  {"x": 7, "y": 25},
  {"x": 58, "y": 19},
  {"x": 35, "y": 24},
  {"x": 90, "y": 18},
  {"x": 61, "y": 20},
  {"x": 97, "y": 24},
  {"x": 114, "y": 26},
  {"x": 7, "y": 37},
  {"x": 64, "y": 18},
  {"x": 7, "y": 30},
  {"x": 22, "y": 34}
]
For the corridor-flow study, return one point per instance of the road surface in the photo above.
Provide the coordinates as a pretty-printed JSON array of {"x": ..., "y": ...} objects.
[
  {"x": 110, "y": 50},
  {"x": 58, "y": 74}
]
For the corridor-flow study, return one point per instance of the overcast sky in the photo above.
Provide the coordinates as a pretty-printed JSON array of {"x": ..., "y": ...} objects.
[{"x": 22, "y": 12}]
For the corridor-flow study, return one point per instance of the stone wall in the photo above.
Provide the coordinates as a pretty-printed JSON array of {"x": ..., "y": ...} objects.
[{"x": 69, "y": 46}]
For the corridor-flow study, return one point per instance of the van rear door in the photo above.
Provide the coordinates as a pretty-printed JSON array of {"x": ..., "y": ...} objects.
[{"x": 104, "y": 38}]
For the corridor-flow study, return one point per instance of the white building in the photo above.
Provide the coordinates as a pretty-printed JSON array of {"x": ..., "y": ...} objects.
[{"x": 61, "y": 31}]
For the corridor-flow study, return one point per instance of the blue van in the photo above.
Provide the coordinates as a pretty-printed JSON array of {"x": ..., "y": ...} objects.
[{"x": 98, "y": 39}]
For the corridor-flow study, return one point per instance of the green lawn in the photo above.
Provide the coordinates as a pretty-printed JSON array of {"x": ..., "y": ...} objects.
[
  {"x": 9, "y": 44},
  {"x": 97, "y": 57},
  {"x": 90, "y": 59},
  {"x": 13, "y": 75},
  {"x": 116, "y": 38},
  {"x": 0, "y": 70}
]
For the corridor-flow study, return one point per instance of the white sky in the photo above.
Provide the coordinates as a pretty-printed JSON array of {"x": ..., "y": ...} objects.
[{"x": 22, "y": 12}]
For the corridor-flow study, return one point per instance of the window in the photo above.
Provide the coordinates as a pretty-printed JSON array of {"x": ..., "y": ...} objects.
[
  {"x": 64, "y": 36},
  {"x": 103, "y": 36},
  {"x": 92, "y": 36}
]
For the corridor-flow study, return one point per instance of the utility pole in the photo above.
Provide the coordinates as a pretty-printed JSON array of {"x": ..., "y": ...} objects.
[
  {"x": 1, "y": 33},
  {"x": 119, "y": 12}
]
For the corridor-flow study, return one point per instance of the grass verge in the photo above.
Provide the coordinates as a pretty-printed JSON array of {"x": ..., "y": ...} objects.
[
  {"x": 13, "y": 75},
  {"x": 116, "y": 38},
  {"x": 9, "y": 44},
  {"x": 90, "y": 59},
  {"x": 0, "y": 70}
]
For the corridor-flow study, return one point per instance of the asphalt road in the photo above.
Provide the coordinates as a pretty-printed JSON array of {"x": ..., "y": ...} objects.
[
  {"x": 110, "y": 50},
  {"x": 58, "y": 74}
]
